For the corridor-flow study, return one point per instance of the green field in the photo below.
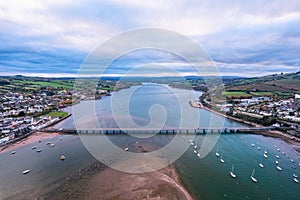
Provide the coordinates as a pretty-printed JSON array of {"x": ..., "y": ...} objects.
[
  {"x": 55, "y": 84},
  {"x": 236, "y": 94},
  {"x": 59, "y": 114}
]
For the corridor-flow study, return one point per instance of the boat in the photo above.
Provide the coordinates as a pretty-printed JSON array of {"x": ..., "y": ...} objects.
[
  {"x": 192, "y": 143},
  {"x": 253, "y": 145},
  {"x": 48, "y": 143},
  {"x": 283, "y": 153},
  {"x": 26, "y": 171},
  {"x": 266, "y": 152},
  {"x": 252, "y": 176},
  {"x": 60, "y": 138},
  {"x": 278, "y": 150},
  {"x": 52, "y": 145},
  {"x": 232, "y": 174},
  {"x": 292, "y": 160},
  {"x": 221, "y": 160},
  {"x": 195, "y": 152},
  {"x": 275, "y": 146},
  {"x": 62, "y": 157},
  {"x": 34, "y": 147},
  {"x": 217, "y": 153},
  {"x": 278, "y": 168},
  {"x": 198, "y": 154},
  {"x": 277, "y": 156},
  {"x": 265, "y": 155},
  {"x": 13, "y": 152},
  {"x": 276, "y": 162},
  {"x": 39, "y": 150},
  {"x": 195, "y": 147},
  {"x": 258, "y": 148},
  {"x": 295, "y": 175},
  {"x": 126, "y": 149},
  {"x": 296, "y": 180},
  {"x": 261, "y": 165}
]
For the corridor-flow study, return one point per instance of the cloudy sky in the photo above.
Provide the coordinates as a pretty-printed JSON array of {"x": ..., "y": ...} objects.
[{"x": 53, "y": 37}]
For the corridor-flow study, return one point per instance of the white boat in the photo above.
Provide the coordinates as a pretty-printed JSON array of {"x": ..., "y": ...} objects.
[
  {"x": 192, "y": 143},
  {"x": 52, "y": 145},
  {"x": 48, "y": 143},
  {"x": 276, "y": 162},
  {"x": 258, "y": 148},
  {"x": 195, "y": 147},
  {"x": 232, "y": 174},
  {"x": 198, "y": 154},
  {"x": 34, "y": 147},
  {"x": 277, "y": 156},
  {"x": 253, "y": 145},
  {"x": 265, "y": 155},
  {"x": 252, "y": 176},
  {"x": 26, "y": 171},
  {"x": 62, "y": 157},
  {"x": 126, "y": 149},
  {"x": 278, "y": 168},
  {"x": 60, "y": 138},
  {"x": 292, "y": 160},
  {"x": 278, "y": 150},
  {"x": 39, "y": 150},
  {"x": 13, "y": 152},
  {"x": 261, "y": 165},
  {"x": 221, "y": 160},
  {"x": 296, "y": 180},
  {"x": 217, "y": 153},
  {"x": 266, "y": 152},
  {"x": 283, "y": 153},
  {"x": 295, "y": 175}
]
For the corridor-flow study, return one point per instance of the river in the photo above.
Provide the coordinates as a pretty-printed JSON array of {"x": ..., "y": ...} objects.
[{"x": 205, "y": 178}]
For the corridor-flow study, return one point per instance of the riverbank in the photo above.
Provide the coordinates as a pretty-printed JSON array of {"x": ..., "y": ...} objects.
[
  {"x": 34, "y": 137},
  {"x": 100, "y": 182},
  {"x": 294, "y": 141}
]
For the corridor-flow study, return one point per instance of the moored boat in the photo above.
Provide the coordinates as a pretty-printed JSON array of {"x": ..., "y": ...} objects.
[
  {"x": 26, "y": 171},
  {"x": 252, "y": 176}
]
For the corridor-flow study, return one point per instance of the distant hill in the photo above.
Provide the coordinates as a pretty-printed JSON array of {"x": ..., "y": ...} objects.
[{"x": 275, "y": 84}]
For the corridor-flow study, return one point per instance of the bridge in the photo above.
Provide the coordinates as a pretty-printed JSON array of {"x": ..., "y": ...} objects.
[{"x": 165, "y": 131}]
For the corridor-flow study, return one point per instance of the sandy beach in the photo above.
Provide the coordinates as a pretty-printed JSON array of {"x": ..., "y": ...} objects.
[
  {"x": 100, "y": 182},
  {"x": 35, "y": 137}
]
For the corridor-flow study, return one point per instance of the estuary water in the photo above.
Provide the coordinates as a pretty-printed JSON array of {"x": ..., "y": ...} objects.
[{"x": 205, "y": 178}]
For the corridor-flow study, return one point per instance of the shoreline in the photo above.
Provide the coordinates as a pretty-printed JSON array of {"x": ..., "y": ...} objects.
[
  {"x": 292, "y": 140},
  {"x": 98, "y": 181},
  {"x": 29, "y": 139}
]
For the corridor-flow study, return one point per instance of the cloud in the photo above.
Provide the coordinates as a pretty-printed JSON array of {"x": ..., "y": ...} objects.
[{"x": 54, "y": 36}]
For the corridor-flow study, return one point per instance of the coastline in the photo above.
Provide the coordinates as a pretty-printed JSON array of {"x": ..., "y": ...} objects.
[
  {"x": 101, "y": 182},
  {"x": 294, "y": 141},
  {"x": 34, "y": 137}
]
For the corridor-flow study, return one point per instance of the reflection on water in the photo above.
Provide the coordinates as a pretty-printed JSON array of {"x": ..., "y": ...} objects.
[{"x": 206, "y": 178}]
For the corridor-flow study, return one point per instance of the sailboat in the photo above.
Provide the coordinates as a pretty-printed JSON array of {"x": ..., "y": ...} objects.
[
  {"x": 261, "y": 164},
  {"x": 265, "y": 155},
  {"x": 295, "y": 175},
  {"x": 296, "y": 180},
  {"x": 232, "y": 174},
  {"x": 221, "y": 160},
  {"x": 278, "y": 168},
  {"x": 252, "y": 176},
  {"x": 217, "y": 153}
]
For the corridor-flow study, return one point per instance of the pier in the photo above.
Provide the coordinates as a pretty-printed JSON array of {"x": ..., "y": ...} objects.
[{"x": 167, "y": 131}]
